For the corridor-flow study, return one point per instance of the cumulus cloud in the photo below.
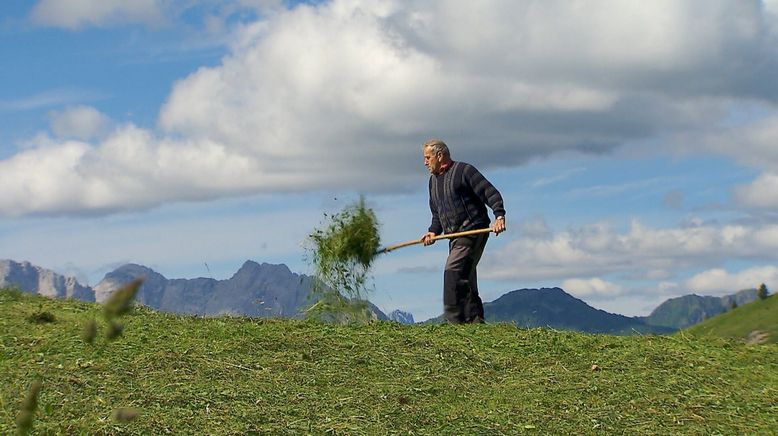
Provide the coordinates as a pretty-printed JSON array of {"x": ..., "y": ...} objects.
[
  {"x": 74, "y": 14},
  {"x": 594, "y": 287},
  {"x": 341, "y": 94},
  {"x": 771, "y": 8},
  {"x": 79, "y": 122},
  {"x": 121, "y": 173},
  {"x": 761, "y": 193},
  {"x": 721, "y": 282},
  {"x": 641, "y": 253}
]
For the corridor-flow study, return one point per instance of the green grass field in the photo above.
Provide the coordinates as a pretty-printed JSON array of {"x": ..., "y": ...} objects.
[
  {"x": 759, "y": 315},
  {"x": 191, "y": 375}
]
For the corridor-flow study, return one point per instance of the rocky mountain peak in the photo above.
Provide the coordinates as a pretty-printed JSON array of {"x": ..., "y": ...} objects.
[
  {"x": 125, "y": 274},
  {"x": 254, "y": 269},
  {"x": 34, "y": 279},
  {"x": 401, "y": 317}
]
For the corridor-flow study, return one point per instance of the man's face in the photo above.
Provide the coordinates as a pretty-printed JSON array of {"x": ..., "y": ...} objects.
[{"x": 432, "y": 160}]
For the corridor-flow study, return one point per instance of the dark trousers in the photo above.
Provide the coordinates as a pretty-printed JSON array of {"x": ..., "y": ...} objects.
[{"x": 461, "y": 302}]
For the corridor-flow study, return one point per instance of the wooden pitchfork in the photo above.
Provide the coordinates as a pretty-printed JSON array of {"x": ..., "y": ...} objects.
[{"x": 435, "y": 238}]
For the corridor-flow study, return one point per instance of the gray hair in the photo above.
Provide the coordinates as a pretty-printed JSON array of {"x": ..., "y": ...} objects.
[{"x": 437, "y": 146}]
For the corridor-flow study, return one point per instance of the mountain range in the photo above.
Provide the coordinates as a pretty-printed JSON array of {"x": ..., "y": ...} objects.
[
  {"x": 256, "y": 290},
  {"x": 268, "y": 290}
]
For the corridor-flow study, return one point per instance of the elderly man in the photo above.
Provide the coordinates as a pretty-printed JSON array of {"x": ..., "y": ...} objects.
[{"x": 459, "y": 194}]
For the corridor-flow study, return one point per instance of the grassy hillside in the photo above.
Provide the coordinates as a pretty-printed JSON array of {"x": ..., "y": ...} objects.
[
  {"x": 191, "y": 375},
  {"x": 759, "y": 315}
]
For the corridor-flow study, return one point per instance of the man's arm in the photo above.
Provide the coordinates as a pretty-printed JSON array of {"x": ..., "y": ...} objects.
[
  {"x": 435, "y": 227},
  {"x": 484, "y": 189}
]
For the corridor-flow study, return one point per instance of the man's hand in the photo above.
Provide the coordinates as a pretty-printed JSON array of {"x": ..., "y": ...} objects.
[
  {"x": 499, "y": 225},
  {"x": 427, "y": 238}
]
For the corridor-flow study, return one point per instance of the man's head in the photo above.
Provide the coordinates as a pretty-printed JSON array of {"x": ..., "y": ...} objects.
[{"x": 436, "y": 155}]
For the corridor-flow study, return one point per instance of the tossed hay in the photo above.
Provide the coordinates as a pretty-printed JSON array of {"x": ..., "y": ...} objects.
[
  {"x": 118, "y": 304},
  {"x": 342, "y": 251}
]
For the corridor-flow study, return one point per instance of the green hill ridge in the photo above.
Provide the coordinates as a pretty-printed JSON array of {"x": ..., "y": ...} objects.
[
  {"x": 760, "y": 315},
  {"x": 194, "y": 375},
  {"x": 555, "y": 308},
  {"x": 687, "y": 310}
]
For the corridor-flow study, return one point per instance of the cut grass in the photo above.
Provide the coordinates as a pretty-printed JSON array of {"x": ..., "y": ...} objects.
[
  {"x": 341, "y": 252},
  {"x": 190, "y": 375}
]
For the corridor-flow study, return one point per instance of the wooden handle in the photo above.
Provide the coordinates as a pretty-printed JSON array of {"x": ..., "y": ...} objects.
[{"x": 445, "y": 236}]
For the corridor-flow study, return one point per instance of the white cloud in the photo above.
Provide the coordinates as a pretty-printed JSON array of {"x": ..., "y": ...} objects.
[
  {"x": 74, "y": 14},
  {"x": 130, "y": 169},
  {"x": 761, "y": 193},
  {"x": 592, "y": 287},
  {"x": 612, "y": 43},
  {"x": 79, "y": 122},
  {"x": 751, "y": 143},
  {"x": 721, "y": 282},
  {"x": 332, "y": 82},
  {"x": 640, "y": 253},
  {"x": 340, "y": 95},
  {"x": 771, "y": 8}
]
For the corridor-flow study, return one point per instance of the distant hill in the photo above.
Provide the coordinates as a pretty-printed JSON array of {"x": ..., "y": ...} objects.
[
  {"x": 760, "y": 315},
  {"x": 555, "y": 308},
  {"x": 682, "y": 312}
]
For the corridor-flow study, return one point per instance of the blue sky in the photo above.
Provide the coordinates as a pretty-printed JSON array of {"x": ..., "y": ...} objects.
[{"x": 635, "y": 143}]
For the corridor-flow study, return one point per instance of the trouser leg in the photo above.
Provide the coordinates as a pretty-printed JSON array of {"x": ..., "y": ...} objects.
[
  {"x": 461, "y": 302},
  {"x": 452, "y": 309},
  {"x": 474, "y": 307}
]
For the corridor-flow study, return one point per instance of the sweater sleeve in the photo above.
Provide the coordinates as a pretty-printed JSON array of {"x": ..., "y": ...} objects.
[
  {"x": 485, "y": 191},
  {"x": 435, "y": 226}
]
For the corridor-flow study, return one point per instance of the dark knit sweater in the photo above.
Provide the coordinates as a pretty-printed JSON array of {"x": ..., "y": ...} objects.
[{"x": 458, "y": 200}]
